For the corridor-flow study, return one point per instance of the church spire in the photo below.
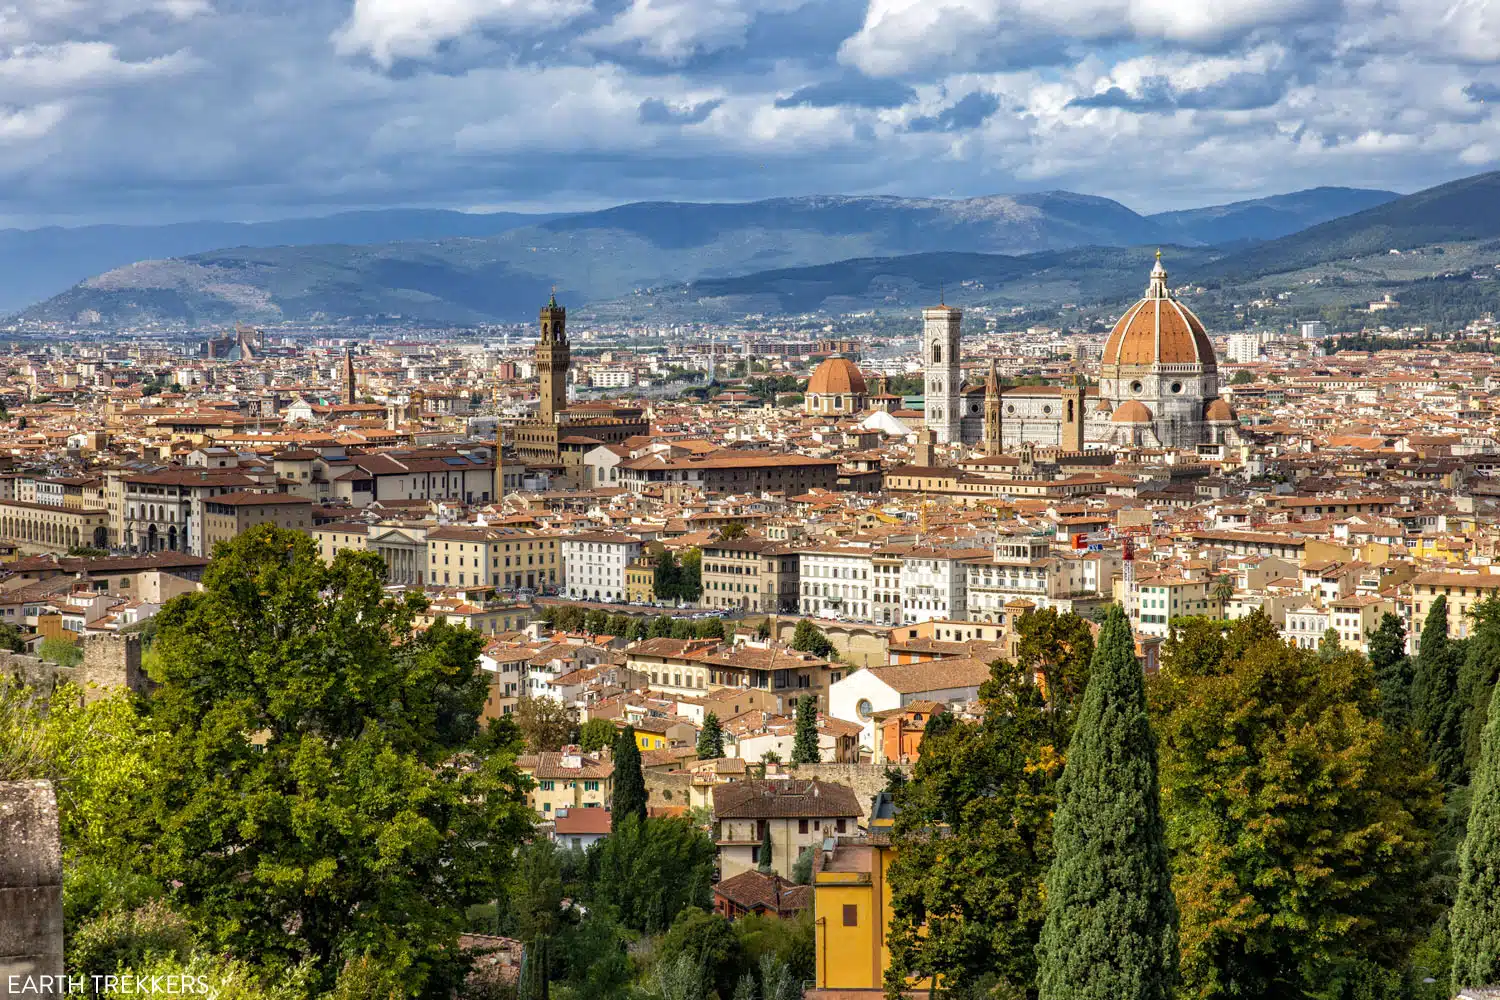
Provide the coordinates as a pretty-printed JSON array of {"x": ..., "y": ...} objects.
[{"x": 1157, "y": 289}]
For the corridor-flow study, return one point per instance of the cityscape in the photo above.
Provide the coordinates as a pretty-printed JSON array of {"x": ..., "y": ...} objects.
[{"x": 882, "y": 499}]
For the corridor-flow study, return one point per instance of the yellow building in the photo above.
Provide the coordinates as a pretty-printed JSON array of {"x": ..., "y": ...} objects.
[
  {"x": 852, "y": 910},
  {"x": 567, "y": 781},
  {"x": 640, "y": 580},
  {"x": 1462, "y": 589},
  {"x": 505, "y": 558}
]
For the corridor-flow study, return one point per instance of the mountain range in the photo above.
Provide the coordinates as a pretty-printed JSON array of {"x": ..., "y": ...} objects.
[{"x": 449, "y": 267}]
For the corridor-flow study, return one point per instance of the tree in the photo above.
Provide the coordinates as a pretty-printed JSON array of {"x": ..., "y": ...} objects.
[
  {"x": 1393, "y": 670},
  {"x": 639, "y": 629},
  {"x": 805, "y": 748},
  {"x": 1300, "y": 831},
  {"x": 763, "y": 630},
  {"x": 595, "y": 735},
  {"x": 1477, "y": 677},
  {"x": 323, "y": 773},
  {"x": 630, "y": 783},
  {"x": 661, "y": 627},
  {"x": 710, "y": 628},
  {"x": 1330, "y": 645},
  {"x": 1241, "y": 378},
  {"x": 710, "y": 941},
  {"x": 619, "y": 625},
  {"x": 711, "y": 738},
  {"x": 1111, "y": 925},
  {"x": 682, "y": 629},
  {"x": 536, "y": 891},
  {"x": 61, "y": 652},
  {"x": 535, "y": 979},
  {"x": 665, "y": 575},
  {"x": 596, "y": 622},
  {"x": 646, "y": 871},
  {"x": 546, "y": 723},
  {"x": 87, "y": 551},
  {"x": 1435, "y": 696},
  {"x": 1223, "y": 590},
  {"x": 1474, "y": 924},
  {"x": 690, "y": 578},
  {"x": 766, "y": 851},
  {"x": 731, "y": 531},
  {"x": 1056, "y": 650},
  {"x": 808, "y": 638},
  {"x": 973, "y": 839},
  {"x": 802, "y": 868}
]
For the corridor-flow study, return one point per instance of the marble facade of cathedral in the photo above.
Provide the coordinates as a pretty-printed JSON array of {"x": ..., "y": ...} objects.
[{"x": 1158, "y": 388}]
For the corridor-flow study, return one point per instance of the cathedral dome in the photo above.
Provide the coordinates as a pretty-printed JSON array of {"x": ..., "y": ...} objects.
[
  {"x": 1220, "y": 411},
  {"x": 1158, "y": 330},
  {"x": 1132, "y": 411},
  {"x": 836, "y": 375}
]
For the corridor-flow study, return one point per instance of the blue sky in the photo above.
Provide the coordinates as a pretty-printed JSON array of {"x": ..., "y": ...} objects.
[{"x": 157, "y": 110}]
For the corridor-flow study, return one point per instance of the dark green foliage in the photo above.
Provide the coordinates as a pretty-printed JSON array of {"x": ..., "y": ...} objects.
[
  {"x": 10, "y": 638},
  {"x": 674, "y": 580},
  {"x": 805, "y": 743},
  {"x": 766, "y": 851},
  {"x": 1477, "y": 677},
  {"x": 1058, "y": 649},
  {"x": 1474, "y": 924},
  {"x": 660, "y": 628},
  {"x": 639, "y": 629},
  {"x": 536, "y": 891},
  {"x": 810, "y": 639},
  {"x": 1435, "y": 696},
  {"x": 630, "y": 782},
  {"x": 619, "y": 626},
  {"x": 788, "y": 942},
  {"x": 711, "y": 628},
  {"x": 711, "y": 739},
  {"x": 645, "y": 873},
  {"x": 682, "y": 629},
  {"x": 973, "y": 842},
  {"x": 1111, "y": 926},
  {"x": 1393, "y": 670},
  {"x": 536, "y": 976},
  {"x": 596, "y": 622},
  {"x": 596, "y": 734},
  {"x": 802, "y": 868},
  {"x": 709, "y": 941},
  {"x": 324, "y": 776},
  {"x": 1329, "y": 645},
  {"x": 1299, "y": 825}
]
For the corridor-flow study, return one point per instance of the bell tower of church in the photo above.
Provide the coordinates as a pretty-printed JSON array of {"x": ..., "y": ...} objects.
[
  {"x": 992, "y": 431},
  {"x": 553, "y": 356},
  {"x": 941, "y": 345}
]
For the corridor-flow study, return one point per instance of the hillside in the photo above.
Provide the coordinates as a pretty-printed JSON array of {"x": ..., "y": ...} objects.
[{"x": 1267, "y": 218}]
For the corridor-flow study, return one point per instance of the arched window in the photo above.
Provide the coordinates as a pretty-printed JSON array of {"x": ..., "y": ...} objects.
[
  {"x": 937, "y": 354},
  {"x": 1070, "y": 411}
]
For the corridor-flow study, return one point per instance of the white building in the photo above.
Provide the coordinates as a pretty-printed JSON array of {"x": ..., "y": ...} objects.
[
  {"x": 1314, "y": 330},
  {"x": 1023, "y": 568},
  {"x": 837, "y": 583},
  {"x": 934, "y": 584},
  {"x": 594, "y": 565},
  {"x": 1245, "y": 347},
  {"x": 859, "y": 696}
]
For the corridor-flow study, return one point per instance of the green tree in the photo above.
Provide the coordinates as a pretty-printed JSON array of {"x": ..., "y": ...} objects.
[
  {"x": 682, "y": 629},
  {"x": 710, "y": 628},
  {"x": 324, "y": 776},
  {"x": 61, "y": 652},
  {"x": 1329, "y": 646},
  {"x": 661, "y": 627},
  {"x": 535, "y": 980},
  {"x": 666, "y": 575},
  {"x": 618, "y": 625},
  {"x": 1435, "y": 696},
  {"x": 710, "y": 941},
  {"x": 1300, "y": 832},
  {"x": 1111, "y": 925},
  {"x": 546, "y": 724},
  {"x": 10, "y": 638},
  {"x": 1474, "y": 924},
  {"x": 596, "y": 622},
  {"x": 973, "y": 837},
  {"x": 1241, "y": 378},
  {"x": 788, "y": 943},
  {"x": 1477, "y": 677},
  {"x": 630, "y": 783},
  {"x": 711, "y": 739},
  {"x": 802, "y": 868},
  {"x": 596, "y": 734},
  {"x": 536, "y": 891},
  {"x": 1393, "y": 670},
  {"x": 766, "y": 851},
  {"x": 1057, "y": 649},
  {"x": 805, "y": 748},
  {"x": 645, "y": 872},
  {"x": 690, "y": 578},
  {"x": 640, "y": 629},
  {"x": 732, "y": 531},
  {"x": 808, "y": 638}
]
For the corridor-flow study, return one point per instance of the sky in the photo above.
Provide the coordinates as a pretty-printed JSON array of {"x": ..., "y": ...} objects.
[{"x": 166, "y": 110}]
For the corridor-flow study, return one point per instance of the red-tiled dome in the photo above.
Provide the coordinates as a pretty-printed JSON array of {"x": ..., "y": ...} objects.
[
  {"x": 1158, "y": 330},
  {"x": 1132, "y": 411},
  {"x": 1219, "y": 410},
  {"x": 837, "y": 375}
]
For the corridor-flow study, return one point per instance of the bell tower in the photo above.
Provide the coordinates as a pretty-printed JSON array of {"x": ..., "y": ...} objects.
[
  {"x": 941, "y": 361},
  {"x": 553, "y": 356},
  {"x": 992, "y": 432}
]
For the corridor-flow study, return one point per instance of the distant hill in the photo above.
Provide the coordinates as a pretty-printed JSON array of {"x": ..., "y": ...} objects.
[
  {"x": 36, "y": 263},
  {"x": 1460, "y": 211},
  {"x": 1267, "y": 218}
]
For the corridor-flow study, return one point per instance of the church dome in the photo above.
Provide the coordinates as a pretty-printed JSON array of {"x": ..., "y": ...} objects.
[
  {"x": 1220, "y": 410},
  {"x": 1102, "y": 407},
  {"x": 837, "y": 376},
  {"x": 1132, "y": 411},
  {"x": 1158, "y": 330}
]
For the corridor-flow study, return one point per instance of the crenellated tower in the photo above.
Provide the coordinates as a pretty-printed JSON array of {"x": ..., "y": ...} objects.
[{"x": 553, "y": 357}]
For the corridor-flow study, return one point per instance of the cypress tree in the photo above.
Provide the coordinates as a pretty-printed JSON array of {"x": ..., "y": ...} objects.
[
  {"x": 629, "y": 797},
  {"x": 1474, "y": 924},
  {"x": 805, "y": 743},
  {"x": 1393, "y": 670},
  {"x": 1111, "y": 926},
  {"x": 1435, "y": 695},
  {"x": 764, "y": 865},
  {"x": 711, "y": 739}
]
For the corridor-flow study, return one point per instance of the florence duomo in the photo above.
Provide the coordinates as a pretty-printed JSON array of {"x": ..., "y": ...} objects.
[{"x": 1158, "y": 387}]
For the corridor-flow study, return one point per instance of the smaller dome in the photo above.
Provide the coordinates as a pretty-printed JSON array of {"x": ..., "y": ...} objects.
[
  {"x": 1102, "y": 406},
  {"x": 1220, "y": 411},
  {"x": 837, "y": 375},
  {"x": 1132, "y": 411}
]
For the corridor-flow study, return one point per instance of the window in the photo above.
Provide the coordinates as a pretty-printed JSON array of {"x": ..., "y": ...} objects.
[
  {"x": 802, "y": 826},
  {"x": 851, "y": 915}
]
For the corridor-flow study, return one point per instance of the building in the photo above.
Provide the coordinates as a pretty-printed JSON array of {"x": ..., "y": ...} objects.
[
  {"x": 640, "y": 580},
  {"x": 1161, "y": 599},
  {"x": 836, "y": 389},
  {"x": 837, "y": 583},
  {"x": 795, "y": 813},
  {"x": 580, "y": 829},
  {"x": 755, "y": 893},
  {"x": 232, "y": 514},
  {"x": 859, "y": 696},
  {"x": 36, "y": 528},
  {"x": 503, "y": 558},
  {"x": 749, "y": 574},
  {"x": 594, "y": 565},
  {"x": 1462, "y": 589},
  {"x": 934, "y": 583},
  {"x": 164, "y": 510},
  {"x": 567, "y": 781},
  {"x": 731, "y": 471}
]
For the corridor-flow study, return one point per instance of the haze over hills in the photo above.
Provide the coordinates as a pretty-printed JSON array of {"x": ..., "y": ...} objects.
[
  {"x": 1266, "y": 218},
  {"x": 633, "y": 249}
]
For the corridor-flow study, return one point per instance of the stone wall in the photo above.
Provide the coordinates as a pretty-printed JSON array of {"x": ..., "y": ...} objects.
[
  {"x": 665, "y": 789},
  {"x": 109, "y": 661},
  {"x": 31, "y": 916},
  {"x": 865, "y": 779}
]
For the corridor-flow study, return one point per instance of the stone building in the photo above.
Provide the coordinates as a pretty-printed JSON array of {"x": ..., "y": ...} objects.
[{"x": 836, "y": 389}]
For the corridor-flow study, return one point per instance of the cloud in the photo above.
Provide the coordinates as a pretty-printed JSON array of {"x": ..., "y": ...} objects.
[
  {"x": 673, "y": 31},
  {"x": 1241, "y": 92},
  {"x": 388, "y": 30},
  {"x": 1485, "y": 93},
  {"x": 851, "y": 90},
  {"x": 969, "y": 112},
  {"x": 655, "y": 111}
]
